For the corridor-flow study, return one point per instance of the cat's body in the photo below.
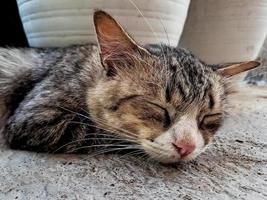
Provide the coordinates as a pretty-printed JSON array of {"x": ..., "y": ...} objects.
[
  {"x": 45, "y": 93},
  {"x": 161, "y": 99},
  {"x": 44, "y": 83}
]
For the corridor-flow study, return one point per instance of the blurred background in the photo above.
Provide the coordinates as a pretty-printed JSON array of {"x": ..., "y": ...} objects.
[{"x": 217, "y": 31}]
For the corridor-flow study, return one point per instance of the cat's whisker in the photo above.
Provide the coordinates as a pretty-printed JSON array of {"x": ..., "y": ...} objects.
[
  {"x": 146, "y": 20},
  {"x": 136, "y": 152},
  {"x": 91, "y": 139},
  {"x": 165, "y": 30},
  {"x": 156, "y": 147},
  {"x": 98, "y": 121},
  {"x": 112, "y": 136},
  {"x": 119, "y": 130},
  {"x": 105, "y": 129},
  {"x": 108, "y": 135},
  {"x": 102, "y": 151},
  {"x": 142, "y": 161},
  {"x": 110, "y": 151},
  {"x": 99, "y": 145},
  {"x": 102, "y": 122},
  {"x": 71, "y": 111},
  {"x": 158, "y": 151},
  {"x": 148, "y": 24},
  {"x": 150, "y": 160}
]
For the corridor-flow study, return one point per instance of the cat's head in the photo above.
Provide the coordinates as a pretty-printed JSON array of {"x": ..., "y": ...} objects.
[{"x": 161, "y": 98}]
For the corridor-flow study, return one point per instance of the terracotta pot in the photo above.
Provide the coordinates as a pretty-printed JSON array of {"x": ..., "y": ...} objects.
[
  {"x": 225, "y": 30},
  {"x": 65, "y": 22}
]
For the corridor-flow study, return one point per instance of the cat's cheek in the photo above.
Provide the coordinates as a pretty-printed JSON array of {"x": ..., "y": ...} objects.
[{"x": 207, "y": 136}]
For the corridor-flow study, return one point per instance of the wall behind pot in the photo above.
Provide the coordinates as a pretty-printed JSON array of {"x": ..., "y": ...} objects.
[{"x": 225, "y": 30}]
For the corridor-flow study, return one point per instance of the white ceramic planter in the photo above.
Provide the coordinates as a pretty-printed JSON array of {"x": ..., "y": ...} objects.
[
  {"x": 225, "y": 30},
  {"x": 64, "y": 22}
]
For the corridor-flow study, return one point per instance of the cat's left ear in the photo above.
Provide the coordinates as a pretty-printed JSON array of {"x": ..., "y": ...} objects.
[
  {"x": 115, "y": 44},
  {"x": 237, "y": 68}
]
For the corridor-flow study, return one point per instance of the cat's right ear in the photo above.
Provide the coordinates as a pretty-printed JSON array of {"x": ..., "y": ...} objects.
[
  {"x": 228, "y": 70},
  {"x": 115, "y": 44}
]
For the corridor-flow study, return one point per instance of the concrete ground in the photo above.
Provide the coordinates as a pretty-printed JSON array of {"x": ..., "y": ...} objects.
[{"x": 233, "y": 167}]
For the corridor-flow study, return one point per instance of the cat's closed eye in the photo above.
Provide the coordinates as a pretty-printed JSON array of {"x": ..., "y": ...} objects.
[
  {"x": 211, "y": 122},
  {"x": 156, "y": 114},
  {"x": 144, "y": 109}
]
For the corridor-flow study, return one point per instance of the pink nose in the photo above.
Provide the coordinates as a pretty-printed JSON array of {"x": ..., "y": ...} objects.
[{"x": 183, "y": 148}]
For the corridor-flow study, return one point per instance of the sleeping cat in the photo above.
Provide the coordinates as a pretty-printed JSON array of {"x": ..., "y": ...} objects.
[{"x": 118, "y": 95}]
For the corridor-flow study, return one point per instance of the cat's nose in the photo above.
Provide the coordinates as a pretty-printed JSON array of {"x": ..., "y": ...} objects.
[{"x": 184, "y": 148}]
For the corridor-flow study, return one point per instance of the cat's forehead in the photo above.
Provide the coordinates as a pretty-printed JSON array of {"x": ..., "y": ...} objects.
[
  {"x": 174, "y": 77},
  {"x": 171, "y": 75},
  {"x": 182, "y": 71},
  {"x": 176, "y": 58}
]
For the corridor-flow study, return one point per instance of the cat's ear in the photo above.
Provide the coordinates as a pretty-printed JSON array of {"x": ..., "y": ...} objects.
[
  {"x": 236, "y": 68},
  {"x": 115, "y": 44}
]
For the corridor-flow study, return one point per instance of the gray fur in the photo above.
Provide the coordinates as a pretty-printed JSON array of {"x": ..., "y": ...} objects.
[{"x": 36, "y": 87}]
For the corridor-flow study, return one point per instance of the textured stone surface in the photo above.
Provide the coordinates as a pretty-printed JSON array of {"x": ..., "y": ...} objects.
[{"x": 233, "y": 167}]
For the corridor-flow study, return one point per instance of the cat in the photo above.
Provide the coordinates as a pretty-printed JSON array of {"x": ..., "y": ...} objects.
[{"x": 117, "y": 95}]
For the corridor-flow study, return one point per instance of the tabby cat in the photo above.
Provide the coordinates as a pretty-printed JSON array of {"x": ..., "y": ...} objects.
[{"x": 157, "y": 99}]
